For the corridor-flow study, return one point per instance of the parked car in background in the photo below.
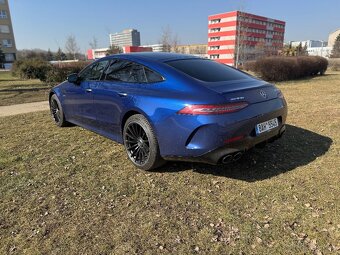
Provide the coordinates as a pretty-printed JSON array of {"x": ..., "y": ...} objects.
[{"x": 164, "y": 106}]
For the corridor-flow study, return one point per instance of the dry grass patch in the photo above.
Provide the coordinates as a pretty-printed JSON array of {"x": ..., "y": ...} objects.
[
  {"x": 16, "y": 91},
  {"x": 70, "y": 191}
]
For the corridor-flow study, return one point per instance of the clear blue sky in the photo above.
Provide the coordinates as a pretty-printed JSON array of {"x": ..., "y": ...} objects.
[{"x": 46, "y": 23}]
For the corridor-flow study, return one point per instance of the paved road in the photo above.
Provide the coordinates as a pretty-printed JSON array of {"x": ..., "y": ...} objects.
[{"x": 23, "y": 108}]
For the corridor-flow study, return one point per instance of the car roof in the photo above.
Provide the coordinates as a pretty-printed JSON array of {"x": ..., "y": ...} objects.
[{"x": 154, "y": 56}]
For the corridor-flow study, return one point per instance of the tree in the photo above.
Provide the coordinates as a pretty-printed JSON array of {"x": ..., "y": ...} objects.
[
  {"x": 336, "y": 48},
  {"x": 289, "y": 51},
  {"x": 242, "y": 48},
  {"x": 304, "y": 50},
  {"x": 71, "y": 46},
  {"x": 32, "y": 53},
  {"x": 49, "y": 55},
  {"x": 301, "y": 51},
  {"x": 169, "y": 40},
  {"x": 94, "y": 43},
  {"x": 113, "y": 49},
  {"x": 60, "y": 55}
]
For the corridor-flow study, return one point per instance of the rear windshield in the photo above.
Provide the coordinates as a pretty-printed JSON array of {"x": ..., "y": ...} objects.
[{"x": 207, "y": 70}]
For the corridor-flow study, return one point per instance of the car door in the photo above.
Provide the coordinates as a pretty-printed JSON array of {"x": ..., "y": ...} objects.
[
  {"x": 115, "y": 93},
  {"x": 79, "y": 97}
]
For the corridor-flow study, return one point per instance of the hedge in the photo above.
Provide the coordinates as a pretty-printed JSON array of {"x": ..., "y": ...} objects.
[
  {"x": 287, "y": 68},
  {"x": 59, "y": 72},
  {"x": 46, "y": 72},
  {"x": 31, "y": 69}
]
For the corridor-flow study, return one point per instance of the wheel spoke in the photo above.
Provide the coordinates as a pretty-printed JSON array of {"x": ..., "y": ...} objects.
[
  {"x": 58, "y": 115},
  {"x": 129, "y": 147},
  {"x": 130, "y": 136}
]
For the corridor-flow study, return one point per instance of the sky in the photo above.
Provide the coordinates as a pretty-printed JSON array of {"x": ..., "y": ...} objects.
[{"x": 47, "y": 23}]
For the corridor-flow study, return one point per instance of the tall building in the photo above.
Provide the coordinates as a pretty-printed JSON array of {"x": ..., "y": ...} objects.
[
  {"x": 128, "y": 37},
  {"x": 239, "y": 36},
  {"x": 7, "y": 42}
]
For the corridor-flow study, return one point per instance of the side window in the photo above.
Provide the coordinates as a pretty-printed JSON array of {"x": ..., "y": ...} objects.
[
  {"x": 125, "y": 71},
  {"x": 94, "y": 72},
  {"x": 151, "y": 76}
]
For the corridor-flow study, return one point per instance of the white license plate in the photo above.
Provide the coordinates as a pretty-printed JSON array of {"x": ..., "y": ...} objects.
[{"x": 266, "y": 126}]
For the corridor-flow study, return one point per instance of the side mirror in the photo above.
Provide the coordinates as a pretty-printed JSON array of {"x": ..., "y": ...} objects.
[{"x": 73, "y": 78}]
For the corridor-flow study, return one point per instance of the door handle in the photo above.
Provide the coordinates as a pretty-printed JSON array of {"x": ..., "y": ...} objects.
[
  {"x": 122, "y": 94},
  {"x": 88, "y": 90}
]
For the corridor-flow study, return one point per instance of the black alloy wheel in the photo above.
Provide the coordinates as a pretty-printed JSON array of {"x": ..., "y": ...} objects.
[
  {"x": 137, "y": 144},
  {"x": 141, "y": 143},
  {"x": 57, "y": 112}
]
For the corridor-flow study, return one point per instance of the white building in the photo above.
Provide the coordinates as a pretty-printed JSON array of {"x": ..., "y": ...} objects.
[
  {"x": 309, "y": 43},
  {"x": 128, "y": 37},
  {"x": 320, "y": 51},
  {"x": 97, "y": 53},
  {"x": 156, "y": 47}
]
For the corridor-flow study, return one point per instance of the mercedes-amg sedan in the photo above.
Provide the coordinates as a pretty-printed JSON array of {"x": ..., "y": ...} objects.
[{"x": 164, "y": 106}]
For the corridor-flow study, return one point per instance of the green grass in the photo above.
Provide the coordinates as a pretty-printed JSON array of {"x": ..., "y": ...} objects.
[
  {"x": 70, "y": 191},
  {"x": 14, "y": 90}
]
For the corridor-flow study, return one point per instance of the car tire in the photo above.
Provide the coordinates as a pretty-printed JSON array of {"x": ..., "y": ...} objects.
[
  {"x": 141, "y": 143},
  {"x": 57, "y": 112}
]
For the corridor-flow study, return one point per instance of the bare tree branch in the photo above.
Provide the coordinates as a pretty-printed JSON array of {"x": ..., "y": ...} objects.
[
  {"x": 169, "y": 40},
  {"x": 94, "y": 43},
  {"x": 71, "y": 46}
]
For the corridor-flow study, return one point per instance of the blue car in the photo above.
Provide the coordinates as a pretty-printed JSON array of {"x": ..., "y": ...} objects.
[{"x": 164, "y": 106}]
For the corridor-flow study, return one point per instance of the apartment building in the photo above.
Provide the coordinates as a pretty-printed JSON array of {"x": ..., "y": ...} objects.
[
  {"x": 236, "y": 37},
  {"x": 7, "y": 41},
  {"x": 128, "y": 37}
]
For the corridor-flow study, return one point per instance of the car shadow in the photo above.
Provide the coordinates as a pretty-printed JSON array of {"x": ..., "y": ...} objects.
[{"x": 297, "y": 147}]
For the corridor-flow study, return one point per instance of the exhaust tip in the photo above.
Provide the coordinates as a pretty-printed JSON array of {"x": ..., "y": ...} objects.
[
  {"x": 227, "y": 159},
  {"x": 237, "y": 156}
]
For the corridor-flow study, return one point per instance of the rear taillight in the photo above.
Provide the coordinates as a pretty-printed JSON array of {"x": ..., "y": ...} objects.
[{"x": 207, "y": 109}]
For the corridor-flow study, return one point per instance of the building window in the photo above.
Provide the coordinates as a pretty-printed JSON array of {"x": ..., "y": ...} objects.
[
  {"x": 214, "y": 47},
  {"x": 4, "y": 29},
  {"x": 215, "y": 56},
  {"x": 7, "y": 43},
  {"x": 215, "y": 38},
  {"x": 9, "y": 57},
  {"x": 3, "y": 14},
  {"x": 215, "y": 21},
  {"x": 213, "y": 30}
]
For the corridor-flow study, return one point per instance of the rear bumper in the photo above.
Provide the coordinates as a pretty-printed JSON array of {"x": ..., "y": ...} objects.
[
  {"x": 207, "y": 138},
  {"x": 215, "y": 156}
]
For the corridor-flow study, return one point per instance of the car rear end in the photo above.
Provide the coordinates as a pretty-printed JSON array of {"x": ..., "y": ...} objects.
[{"x": 247, "y": 112}]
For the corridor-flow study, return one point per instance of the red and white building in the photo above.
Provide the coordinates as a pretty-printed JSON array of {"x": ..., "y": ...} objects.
[
  {"x": 243, "y": 36},
  {"x": 100, "y": 53}
]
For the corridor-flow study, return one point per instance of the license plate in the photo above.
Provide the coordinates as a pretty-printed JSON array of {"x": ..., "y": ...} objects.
[{"x": 266, "y": 126}]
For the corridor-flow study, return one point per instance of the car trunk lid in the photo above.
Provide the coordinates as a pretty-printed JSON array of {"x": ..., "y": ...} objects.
[{"x": 249, "y": 90}]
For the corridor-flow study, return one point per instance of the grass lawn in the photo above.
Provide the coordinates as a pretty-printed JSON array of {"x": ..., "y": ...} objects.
[
  {"x": 17, "y": 91},
  {"x": 70, "y": 191}
]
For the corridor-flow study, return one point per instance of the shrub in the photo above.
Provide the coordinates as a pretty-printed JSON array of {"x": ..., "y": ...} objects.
[
  {"x": 334, "y": 64},
  {"x": 288, "y": 68},
  {"x": 31, "y": 69},
  {"x": 59, "y": 72},
  {"x": 249, "y": 66}
]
